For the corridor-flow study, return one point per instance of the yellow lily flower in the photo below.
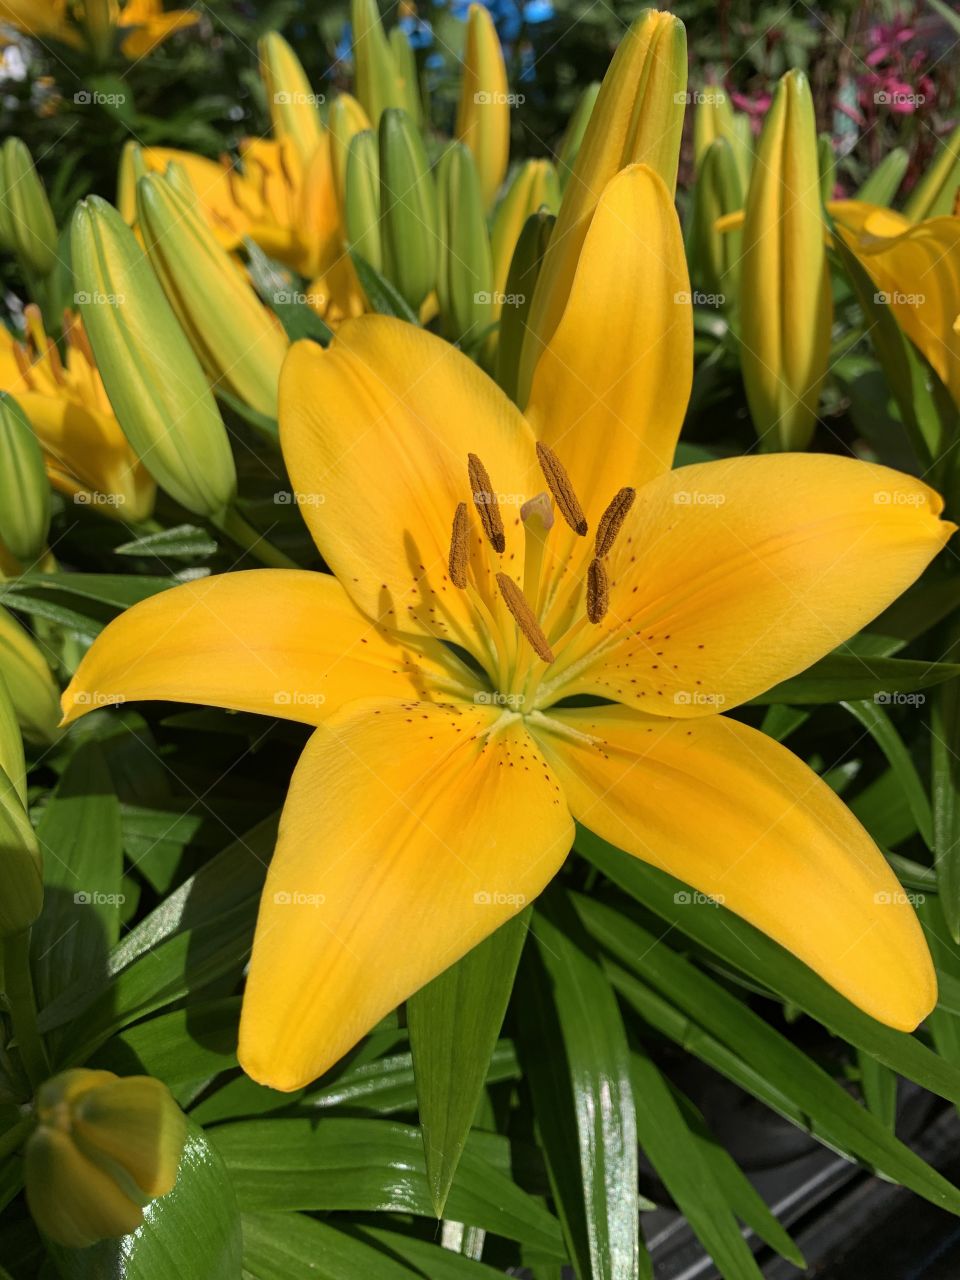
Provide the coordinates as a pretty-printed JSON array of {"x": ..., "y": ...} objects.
[
  {"x": 436, "y": 798},
  {"x": 86, "y": 453},
  {"x": 141, "y": 25},
  {"x": 916, "y": 268}
]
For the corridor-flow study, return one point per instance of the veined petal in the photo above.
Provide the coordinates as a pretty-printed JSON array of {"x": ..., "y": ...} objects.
[
  {"x": 375, "y": 432},
  {"x": 408, "y": 836},
  {"x": 611, "y": 389},
  {"x": 279, "y": 642},
  {"x": 734, "y": 814},
  {"x": 728, "y": 577}
]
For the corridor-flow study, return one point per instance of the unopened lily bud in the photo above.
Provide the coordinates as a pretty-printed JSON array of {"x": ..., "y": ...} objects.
[
  {"x": 534, "y": 186},
  {"x": 12, "y": 761},
  {"x": 483, "y": 116},
  {"x": 576, "y": 128},
  {"x": 408, "y": 79},
  {"x": 408, "y": 208},
  {"x": 786, "y": 301},
  {"x": 884, "y": 181},
  {"x": 637, "y": 119},
  {"x": 30, "y": 222},
  {"x": 377, "y": 82},
  {"x": 345, "y": 119},
  {"x": 21, "y": 869},
  {"x": 240, "y": 343},
  {"x": 716, "y": 118},
  {"x": 715, "y": 256},
  {"x": 465, "y": 282},
  {"x": 525, "y": 266},
  {"x": 827, "y": 160},
  {"x": 290, "y": 99},
  {"x": 152, "y": 376},
  {"x": 103, "y": 1148},
  {"x": 24, "y": 489},
  {"x": 32, "y": 689},
  {"x": 362, "y": 213},
  {"x": 99, "y": 22},
  {"x": 936, "y": 192},
  {"x": 131, "y": 169}
]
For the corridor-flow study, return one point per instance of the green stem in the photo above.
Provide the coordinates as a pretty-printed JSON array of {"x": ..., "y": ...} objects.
[
  {"x": 18, "y": 987},
  {"x": 233, "y": 524},
  {"x": 12, "y": 1140}
]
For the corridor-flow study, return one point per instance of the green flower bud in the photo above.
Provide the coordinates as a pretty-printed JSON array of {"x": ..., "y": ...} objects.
[
  {"x": 884, "y": 181},
  {"x": 521, "y": 282},
  {"x": 24, "y": 490},
  {"x": 715, "y": 257},
  {"x": 345, "y": 119},
  {"x": 377, "y": 83},
  {"x": 152, "y": 376},
  {"x": 576, "y": 128},
  {"x": 362, "y": 215},
  {"x": 936, "y": 191},
  {"x": 240, "y": 343},
  {"x": 30, "y": 225},
  {"x": 827, "y": 159},
  {"x": 35, "y": 696},
  {"x": 465, "y": 278},
  {"x": 21, "y": 869},
  {"x": 12, "y": 761},
  {"x": 408, "y": 79},
  {"x": 103, "y": 1148},
  {"x": 408, "y": 208}
]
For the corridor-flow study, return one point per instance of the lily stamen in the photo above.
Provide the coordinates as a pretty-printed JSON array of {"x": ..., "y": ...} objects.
[
  {"x": 598, "y": 591},
  {"x": 564, "y": 496},
  {"x": 611, "y": 522},
  {"x": 459, "y": 554},
  {"x": 523, "y": 615},
  {"x": 485, "y": 500}
]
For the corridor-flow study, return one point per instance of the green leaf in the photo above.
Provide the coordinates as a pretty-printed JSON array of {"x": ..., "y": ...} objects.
[
  {"x": 678, "y": 1158},
  {"x": 879, "y": 1085},
  {"x": 909, "y": 617},
  {"x": 835, "y": 1117},
  {"x": 881, "y": 728},
  {"x": 288, "y": 1246},
  {"x": 738, "y": 943},
  {"x": 849, "y": 677},
  {"x": 371, "y": 1165},
  {"x": 454, "y": 1022},
  {"x": 79, "y": 836},
  {"x": 192, "y": 1233},
  {"x": 184, "y": 542},
  {"x": 944, "y": 1022},
  {"x": 279, "y": 290},
  {"x": 573, "y": 1048},
  {"x": 79, "y": 602},
  {"x": 427, "y": 1259},
  {"x": 383, "y": 296},
  {"x": 945, "y": 773}
]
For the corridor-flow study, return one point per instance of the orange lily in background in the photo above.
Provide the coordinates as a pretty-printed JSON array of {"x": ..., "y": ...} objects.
[
  {"x": 438, "y": 796},
  {"x": 87, "y": 455},
  {"x": 140, "y": 25}
]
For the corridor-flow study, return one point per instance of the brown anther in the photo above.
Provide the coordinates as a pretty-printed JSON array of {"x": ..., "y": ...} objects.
[
  {"x": 611, "y": 522},
  {"x": 458, "y": 546},
  {"x": 485, "y": 500},
  {"x": 561, "y": 488},
  {"x": 598, "y": 591},
  {"x": 516, "y": 602}
]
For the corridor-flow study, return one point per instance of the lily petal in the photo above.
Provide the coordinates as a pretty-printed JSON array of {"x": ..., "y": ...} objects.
[
  {"x": 406, "y": 839},
  {"x": 278, "y": 642},
  {"x": 611, "y": 389},
  {"x": 375, "y": 432},
  {"x": 738, "y": 817},
  {"x": 730, "y": 576}
]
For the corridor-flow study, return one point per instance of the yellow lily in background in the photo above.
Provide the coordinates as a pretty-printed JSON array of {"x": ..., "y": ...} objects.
[
  {"x": 436, "y": 798},
  {"x": 483, "y": 114},
  {"x": 916, "y": 270},
  {"x": 87, "y": 455},
  {"x": 139, "y": 25}
]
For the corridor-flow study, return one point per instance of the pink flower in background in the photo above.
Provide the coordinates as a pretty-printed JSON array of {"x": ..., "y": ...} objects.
[{"x": 756, "y": 107}]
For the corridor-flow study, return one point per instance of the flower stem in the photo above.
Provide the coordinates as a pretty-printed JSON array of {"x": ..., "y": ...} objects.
[
  {"x": 233, "y": 524},
  {"x": 18, "y": 987},
  {"x": 14, "y": 1136}
]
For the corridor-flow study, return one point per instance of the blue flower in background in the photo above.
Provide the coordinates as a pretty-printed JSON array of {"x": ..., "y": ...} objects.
[
  {"x": 343, "y": 50},
  {"x": 535, "y": 11},
  {"x": 418, "y": 32}
]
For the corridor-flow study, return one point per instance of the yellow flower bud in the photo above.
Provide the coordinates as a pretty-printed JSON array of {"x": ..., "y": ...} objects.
[
  {"x": 345, "y": 119},
  {"x": 33, "y": 691},
  {"x": 408, "y": 80},
  {"x": 132, "y": 168},
  {"x": 24, "y": 490},
  {"x": 103, "y": 1148},
  {"x": 154, "y": 380},
  {"x": 241, "y": 345},
  {"x": 483, "y": 116},
  {"x": 290, "y": 99},
  {"x": 576, "y": 128},
  {"x": 637, "y": 119},
  {"x": 534, "y": 186},
  {"x": 786, "y": 301},
  {"x": 30, "y": 223},
  {"x": 377, "y": 83},
  {"x": 936, "y": 191}
]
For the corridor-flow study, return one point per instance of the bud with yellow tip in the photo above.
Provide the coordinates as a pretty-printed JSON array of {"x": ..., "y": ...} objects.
[
  {"x": 362, "y": 199},
  {"x": 637, "y": 119},
  {"x": 33, "y": 691},
  {"x": 408, "y": 79},
  {"x": 240, "y": 343},
  {"x": 576, "y": 128},
  {"x": 131, "y": 169},
  {"x": 786, "y": 300},
  {"x": 151, "y": 374},
  {"x": 290, "y": 99},
  {"x": 29, "y": 218},
  {"x": 483, "y": 115},
  {"x": 377, "y": 83},
  {"x": 345, "y": 119},
  {"x": 24, "y": 490},
  {"x": 103, "y": 1148}
]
